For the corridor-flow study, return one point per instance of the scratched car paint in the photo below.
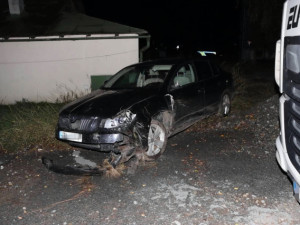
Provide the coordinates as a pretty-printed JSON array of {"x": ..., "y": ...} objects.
[{"x": 137, "y": 109}]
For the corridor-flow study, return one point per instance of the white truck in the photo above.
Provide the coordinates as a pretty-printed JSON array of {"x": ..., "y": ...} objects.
[{"x": 287, "y": 76}]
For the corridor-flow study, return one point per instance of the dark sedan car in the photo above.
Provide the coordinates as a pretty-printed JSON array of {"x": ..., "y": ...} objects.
[{"x": 142, "y": 105}]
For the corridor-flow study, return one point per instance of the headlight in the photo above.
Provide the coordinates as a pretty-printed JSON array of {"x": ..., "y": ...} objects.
[{"x": 123, "y": 118}]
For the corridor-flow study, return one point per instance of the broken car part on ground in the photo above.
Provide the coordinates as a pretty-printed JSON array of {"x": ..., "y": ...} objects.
[{"x": 142, "y": 105}]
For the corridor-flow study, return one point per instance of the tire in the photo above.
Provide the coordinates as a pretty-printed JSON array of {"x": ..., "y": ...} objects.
[
  {"x": 157, "y": 140},
  {"x": 225, "y": 105}
]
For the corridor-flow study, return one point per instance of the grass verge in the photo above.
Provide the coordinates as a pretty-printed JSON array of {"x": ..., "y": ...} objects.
[{"x": 28, "y": 126}]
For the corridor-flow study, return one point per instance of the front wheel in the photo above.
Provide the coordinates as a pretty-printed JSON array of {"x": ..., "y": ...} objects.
[
  {"x": 157, "y": 140},
  {"x": 225, "y": 105}
]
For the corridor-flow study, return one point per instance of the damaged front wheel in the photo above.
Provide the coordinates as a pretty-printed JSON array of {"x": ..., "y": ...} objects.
[{"x": 157, "y": 140}]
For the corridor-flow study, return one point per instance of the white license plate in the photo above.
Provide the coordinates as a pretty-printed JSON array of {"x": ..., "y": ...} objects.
[{"x": 70, "y": 136}]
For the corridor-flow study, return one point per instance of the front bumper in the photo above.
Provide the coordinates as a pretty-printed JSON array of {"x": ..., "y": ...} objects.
[
  {"x": 96, "y": 141},
  {"x": 282, "y": 155},
  {"x": 285, "y": 162},
  {"x": 286, "y": 165},
  {"x": 88, "y": 134}
]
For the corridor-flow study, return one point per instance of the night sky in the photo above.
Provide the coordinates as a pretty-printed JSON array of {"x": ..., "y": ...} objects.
[
  {"x": 225, "y": 26},
  {"x": 192, "y": 24}
]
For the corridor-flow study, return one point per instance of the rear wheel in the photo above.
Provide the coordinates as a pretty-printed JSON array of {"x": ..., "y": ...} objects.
[
  {"x": 157, "y": 140},
  {"x": 225, "y": 105}
]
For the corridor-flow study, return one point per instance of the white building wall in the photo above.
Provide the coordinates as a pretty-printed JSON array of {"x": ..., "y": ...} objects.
[{"x": 50, "y": 70}]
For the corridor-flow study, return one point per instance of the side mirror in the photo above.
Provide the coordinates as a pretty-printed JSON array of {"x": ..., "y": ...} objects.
[{"x": 105, "y": 82}]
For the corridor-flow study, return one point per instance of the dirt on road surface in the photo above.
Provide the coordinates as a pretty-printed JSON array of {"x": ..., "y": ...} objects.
[{"x": 220, "y": 171}]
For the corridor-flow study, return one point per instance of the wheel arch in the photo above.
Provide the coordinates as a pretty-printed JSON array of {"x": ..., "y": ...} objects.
[{"x": 166, "y": 117}]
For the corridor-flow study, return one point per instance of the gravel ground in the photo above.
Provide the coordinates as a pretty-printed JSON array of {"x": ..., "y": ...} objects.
[
  {"x": 262, "y": 120},
  {"x": 219, "y": 171}
]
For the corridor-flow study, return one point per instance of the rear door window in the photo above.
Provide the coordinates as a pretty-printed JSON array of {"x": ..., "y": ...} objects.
[
  {"x": 215, "y": 69},
  {"x": 203, "y": 70}
]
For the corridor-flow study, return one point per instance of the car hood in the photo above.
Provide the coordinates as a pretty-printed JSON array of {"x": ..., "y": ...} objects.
[{"x": 106, "y": 103}]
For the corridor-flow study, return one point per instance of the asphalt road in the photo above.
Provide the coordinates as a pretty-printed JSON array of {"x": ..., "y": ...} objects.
[{"x": 205, "y": 177}]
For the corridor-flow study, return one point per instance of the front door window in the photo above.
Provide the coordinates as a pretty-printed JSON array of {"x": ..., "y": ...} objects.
[{"x": 185, "y": 75}]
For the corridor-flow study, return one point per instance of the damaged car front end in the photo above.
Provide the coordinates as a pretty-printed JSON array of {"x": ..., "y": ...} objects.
[
  {"x": 116, "y": 134},
  {"x": 117, "y": 119},
  {"x": 137, "y": 109}
]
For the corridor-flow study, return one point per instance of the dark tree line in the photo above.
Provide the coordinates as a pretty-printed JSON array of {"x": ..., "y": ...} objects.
[{"x": 260, "y": 26}]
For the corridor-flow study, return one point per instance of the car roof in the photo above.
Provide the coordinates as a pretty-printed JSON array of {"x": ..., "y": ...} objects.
[{"x": 177, "y": 60}]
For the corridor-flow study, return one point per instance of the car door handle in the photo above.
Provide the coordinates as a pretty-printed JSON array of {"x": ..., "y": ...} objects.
[{"x": 200, "y": 91}]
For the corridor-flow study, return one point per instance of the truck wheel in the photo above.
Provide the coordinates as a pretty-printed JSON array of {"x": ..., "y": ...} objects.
[{"x": 157, "y": 140}]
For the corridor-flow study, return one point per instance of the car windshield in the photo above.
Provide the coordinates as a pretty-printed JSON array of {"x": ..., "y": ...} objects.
[{"x": 139, "y": 76}]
